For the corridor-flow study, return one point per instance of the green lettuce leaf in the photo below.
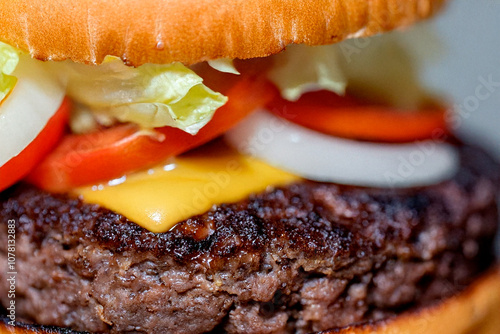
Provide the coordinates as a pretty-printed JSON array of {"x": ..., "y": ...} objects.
[
  {"x": 149, "y": 95},
  {"x": 379, "y": 68},
  {"x": 224, "y": 65},
  {"x": 304, "y": 68},
  {"x": 9, "y": 58},
  {"x": 384, "y": 68}
]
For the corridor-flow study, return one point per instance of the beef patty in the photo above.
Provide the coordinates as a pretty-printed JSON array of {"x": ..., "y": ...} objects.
[{"x": 306, "y": 257}]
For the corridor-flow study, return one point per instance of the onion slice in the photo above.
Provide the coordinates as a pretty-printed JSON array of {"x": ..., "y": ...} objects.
[
  {"x": 25, "y": 112},
  {"x": 325, "y": 158}
]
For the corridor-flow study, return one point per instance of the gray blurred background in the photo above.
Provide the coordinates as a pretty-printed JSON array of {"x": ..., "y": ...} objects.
[
  {"x": 469, "y": 37},
  {"x": 467, "y": 54}
]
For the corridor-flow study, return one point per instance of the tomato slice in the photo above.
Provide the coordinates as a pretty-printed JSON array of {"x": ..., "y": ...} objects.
[
  {"x": 101, "y": 156},
  {"x": 341, "y": 116},
  {"x": 19, "y": 166}
]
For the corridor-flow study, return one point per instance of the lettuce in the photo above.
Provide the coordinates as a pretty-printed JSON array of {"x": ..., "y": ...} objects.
[
  {"x": 384, "y": 68},
  {"x": 225, "y": 65},
  {"x": 380, "y": 68},
  {"x": 304, "y": 68},
  {"x": 149, "y": 95},
  {"x": 9, "y": 58}
]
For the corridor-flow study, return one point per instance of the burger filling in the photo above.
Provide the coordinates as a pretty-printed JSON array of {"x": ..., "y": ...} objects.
[{"x": 342, "y": 105}]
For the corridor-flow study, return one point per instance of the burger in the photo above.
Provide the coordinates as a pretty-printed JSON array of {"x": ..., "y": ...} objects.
[{"x": 235, "y": 167}]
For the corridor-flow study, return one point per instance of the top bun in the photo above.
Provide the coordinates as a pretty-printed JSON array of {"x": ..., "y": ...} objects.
[{"x": 191, "y": 31}]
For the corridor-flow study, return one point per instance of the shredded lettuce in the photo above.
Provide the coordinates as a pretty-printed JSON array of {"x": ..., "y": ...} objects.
[
  {"x": 380, "y": 68},
  {"x": 384, "y": 68},
  {"x": 9, "y": 58},
  {"x": 149, "y": 95},
  {"x": 307, "y": 68},
  {"x": 225, "y": 65}
]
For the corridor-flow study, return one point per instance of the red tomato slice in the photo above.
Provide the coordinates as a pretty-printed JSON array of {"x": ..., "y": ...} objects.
[
  {"x": 87, "y": 159},
  {"x": 19, "y": 166},
  {"x": 341, "y": 116}
]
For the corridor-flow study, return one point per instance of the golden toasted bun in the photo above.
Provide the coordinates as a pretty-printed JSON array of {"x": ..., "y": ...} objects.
[
  {"x": 190, "y": 31},
  {"x": 475, "y": 310}
]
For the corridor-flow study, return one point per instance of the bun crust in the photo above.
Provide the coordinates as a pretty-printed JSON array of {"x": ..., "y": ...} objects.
[
  {"x": 191, "y": 31},
  {"x": 473, "y": 311}
]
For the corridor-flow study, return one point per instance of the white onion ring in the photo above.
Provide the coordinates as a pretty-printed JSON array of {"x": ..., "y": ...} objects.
[
  {"x": 321, "y": 157},
  {"x": 25, "y": 112}
]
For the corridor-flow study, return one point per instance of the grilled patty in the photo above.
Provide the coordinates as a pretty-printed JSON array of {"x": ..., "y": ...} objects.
[{"x": 306, "y": 257}]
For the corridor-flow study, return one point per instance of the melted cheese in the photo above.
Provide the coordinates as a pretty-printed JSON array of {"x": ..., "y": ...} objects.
[{"x": 188, "y": 185}]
